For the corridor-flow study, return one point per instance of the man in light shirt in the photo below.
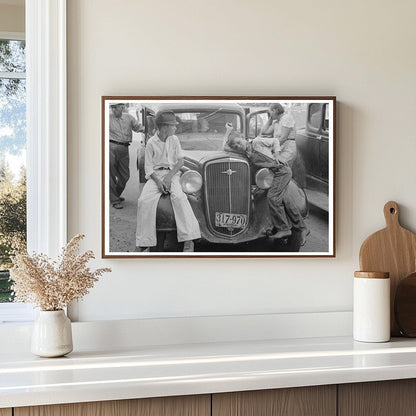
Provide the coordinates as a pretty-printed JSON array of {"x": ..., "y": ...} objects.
[{"x": 163, "y": 161}]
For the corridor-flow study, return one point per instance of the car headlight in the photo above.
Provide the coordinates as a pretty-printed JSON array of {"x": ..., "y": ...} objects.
[
  {"x": 191, "y": 182},
  {"x": 264, "y": 178}
]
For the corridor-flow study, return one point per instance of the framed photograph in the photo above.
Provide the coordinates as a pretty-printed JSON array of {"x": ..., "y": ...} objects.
[{"x": 218, "y": 176}]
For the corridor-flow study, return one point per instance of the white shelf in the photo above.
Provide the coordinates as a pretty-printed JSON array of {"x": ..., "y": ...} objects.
[{"x": 151, "y": 371}]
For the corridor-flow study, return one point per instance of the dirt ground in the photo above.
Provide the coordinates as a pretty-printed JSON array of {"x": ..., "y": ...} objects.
[{"x": 123, "y": 221}]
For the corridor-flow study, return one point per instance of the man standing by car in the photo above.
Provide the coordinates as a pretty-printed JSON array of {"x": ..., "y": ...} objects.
[
  {"x": 163, "y": 161},
  {"x": 121, "y": 127}
]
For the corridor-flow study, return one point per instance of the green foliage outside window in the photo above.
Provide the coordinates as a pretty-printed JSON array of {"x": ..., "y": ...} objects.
[
  {"x": 12, "y": 146},
  {"x": 12, "y": 223},
  {"x": 6, "y": 294}
]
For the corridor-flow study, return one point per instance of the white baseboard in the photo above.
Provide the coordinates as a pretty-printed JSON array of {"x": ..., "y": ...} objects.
[
  {"x": 12, "y": 313},
  {"x": 111, "y": 335}
]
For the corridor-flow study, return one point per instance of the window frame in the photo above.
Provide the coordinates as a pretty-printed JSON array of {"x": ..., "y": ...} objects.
[{"x": 46, "y": 120}]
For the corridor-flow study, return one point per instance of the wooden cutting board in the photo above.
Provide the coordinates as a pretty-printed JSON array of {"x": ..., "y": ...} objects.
[{"x": 393, "y": 250}]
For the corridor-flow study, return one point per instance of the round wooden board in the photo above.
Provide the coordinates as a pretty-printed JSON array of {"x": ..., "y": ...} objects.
[{"x": 405, "y": 306}]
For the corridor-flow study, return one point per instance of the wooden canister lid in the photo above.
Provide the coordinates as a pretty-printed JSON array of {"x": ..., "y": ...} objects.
[{"x": 372, "y": 275}]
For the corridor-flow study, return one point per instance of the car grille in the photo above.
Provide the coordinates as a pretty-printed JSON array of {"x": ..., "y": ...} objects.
[{"x": 228, "y": 193}]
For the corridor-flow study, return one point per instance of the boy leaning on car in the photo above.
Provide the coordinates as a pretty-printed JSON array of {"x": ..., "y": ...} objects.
[
  {"x": 163, "y": 161},
  {"x": 264, "y": 152},
  {"x": 261, "y": 154}
]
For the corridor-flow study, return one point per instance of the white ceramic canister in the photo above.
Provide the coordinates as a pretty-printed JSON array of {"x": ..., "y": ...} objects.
[{"x": 371, "y": 310}]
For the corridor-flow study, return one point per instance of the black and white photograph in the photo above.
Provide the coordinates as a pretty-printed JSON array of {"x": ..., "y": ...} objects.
[{"x": 218, "y": 176}]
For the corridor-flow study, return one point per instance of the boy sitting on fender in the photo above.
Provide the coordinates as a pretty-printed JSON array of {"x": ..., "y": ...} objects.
[{"x": 163, "y": 161}]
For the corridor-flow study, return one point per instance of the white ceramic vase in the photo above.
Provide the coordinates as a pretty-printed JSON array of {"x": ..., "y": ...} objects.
[{"x": 52, "y": 334}]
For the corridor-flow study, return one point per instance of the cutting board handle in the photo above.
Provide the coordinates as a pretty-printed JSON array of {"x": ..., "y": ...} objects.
[{"x": 391, "y": 214}]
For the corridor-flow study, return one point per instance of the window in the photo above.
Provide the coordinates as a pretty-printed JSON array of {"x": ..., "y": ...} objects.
[
  {"x": 12, "y": 155},
  {"x": 326, "y": 119},
  {"x": 46, "y": 135},
  {"x": 256, "y": 123},
  {"x": 315, "y": 115}
]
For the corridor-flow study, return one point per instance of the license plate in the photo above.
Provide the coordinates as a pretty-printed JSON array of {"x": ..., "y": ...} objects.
[{"x": 223, "y": 219}]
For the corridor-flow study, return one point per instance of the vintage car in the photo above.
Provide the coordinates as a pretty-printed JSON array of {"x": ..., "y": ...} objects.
[
  {"x": 228, "y": 195},
  {"x": 313, "y": 145}
]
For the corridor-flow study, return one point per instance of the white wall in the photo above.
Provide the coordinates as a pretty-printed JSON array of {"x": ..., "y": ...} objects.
[
  {"x": 363, "y": 52},
  {"x": 12, "y": 18}
]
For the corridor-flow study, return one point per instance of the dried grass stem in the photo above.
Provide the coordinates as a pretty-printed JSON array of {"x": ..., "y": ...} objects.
[{"x": 53, "y": 285}]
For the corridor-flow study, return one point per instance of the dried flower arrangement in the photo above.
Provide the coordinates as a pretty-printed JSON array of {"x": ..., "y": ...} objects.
[{"x": 53, "y": 285}]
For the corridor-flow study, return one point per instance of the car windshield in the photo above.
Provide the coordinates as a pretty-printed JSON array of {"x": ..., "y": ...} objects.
[{"x": 204, "y": 130}]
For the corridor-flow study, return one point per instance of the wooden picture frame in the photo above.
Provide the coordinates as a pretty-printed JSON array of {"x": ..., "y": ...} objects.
[{"x": 241, "y": 197}]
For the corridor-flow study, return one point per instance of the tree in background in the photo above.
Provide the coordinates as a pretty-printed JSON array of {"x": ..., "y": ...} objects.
[
  {"x": 12, "y": 222},
  {"x": 12, "y": 213},
  {"x": 12, "y": 97},
  {"x": 12, "y": 145}
]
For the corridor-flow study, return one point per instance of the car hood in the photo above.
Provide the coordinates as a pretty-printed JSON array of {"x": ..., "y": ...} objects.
[{"x": 203, "y": 156}]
